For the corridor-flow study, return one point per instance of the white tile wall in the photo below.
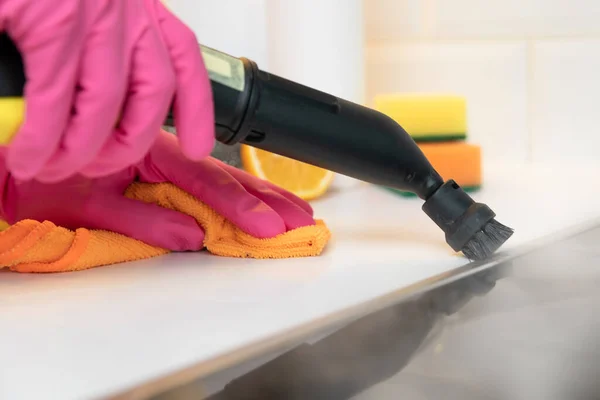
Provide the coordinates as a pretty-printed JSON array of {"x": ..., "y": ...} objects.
[
  {"x": 493, "y": 77},
  {"x": 516, "y": 18},
  {"x": 477, "y": 19},
  {"x": 237, "y": 27},
  {"x": 389, "y": 20},
  {"x": 566, "y": 101},
  {"x": 529, "y": 68}
]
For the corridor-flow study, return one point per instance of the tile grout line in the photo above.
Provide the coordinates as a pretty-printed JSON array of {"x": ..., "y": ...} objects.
[
  {"x": 432, "y": 39},
  {"x": 529, "y": 92},
  {"x": 428, "y": 17}
]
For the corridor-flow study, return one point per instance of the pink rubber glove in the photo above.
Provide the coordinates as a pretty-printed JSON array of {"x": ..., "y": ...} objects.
[
  {"x": 101, "y": 76},
  {"x": 256, "y": 206}
]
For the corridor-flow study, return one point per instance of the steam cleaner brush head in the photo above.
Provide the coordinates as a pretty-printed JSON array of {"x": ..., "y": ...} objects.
[{"x": 470, "y": 227}]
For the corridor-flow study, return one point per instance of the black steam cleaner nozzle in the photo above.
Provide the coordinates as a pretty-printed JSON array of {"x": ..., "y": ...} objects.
[
  {"x": 275, "y": 114},
  {"x": 469, "y": 227}
]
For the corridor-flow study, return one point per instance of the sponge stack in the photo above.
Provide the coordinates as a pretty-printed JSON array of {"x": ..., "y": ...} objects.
[
  {"x": 438, "y": 123},
  {"x": 427, "y": 118}
]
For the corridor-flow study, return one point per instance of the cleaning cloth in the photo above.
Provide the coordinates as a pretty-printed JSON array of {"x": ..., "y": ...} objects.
[{"x": 33, "y": 246}]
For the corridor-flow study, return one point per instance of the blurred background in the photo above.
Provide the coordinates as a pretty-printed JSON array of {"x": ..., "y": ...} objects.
[{"x": 528, "y": 68}]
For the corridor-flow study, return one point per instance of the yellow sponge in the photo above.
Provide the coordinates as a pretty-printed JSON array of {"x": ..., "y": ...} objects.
[{"x": 427, "y": 118}]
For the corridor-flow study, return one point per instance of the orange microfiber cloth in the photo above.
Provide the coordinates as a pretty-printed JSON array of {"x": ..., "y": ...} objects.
[{"x": 32, "y": 246}]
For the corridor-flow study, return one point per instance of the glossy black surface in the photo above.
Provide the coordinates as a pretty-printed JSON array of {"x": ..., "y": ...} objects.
[{"x": 523, "y": 327}]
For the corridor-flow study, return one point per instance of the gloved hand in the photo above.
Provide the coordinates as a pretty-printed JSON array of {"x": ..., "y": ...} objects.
[
  {"x": 101, "y": 76},
  {"x": 257, "y": 207}
]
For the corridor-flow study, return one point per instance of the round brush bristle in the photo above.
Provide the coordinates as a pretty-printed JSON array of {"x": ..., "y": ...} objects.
[{"x": 487, "y": 240}]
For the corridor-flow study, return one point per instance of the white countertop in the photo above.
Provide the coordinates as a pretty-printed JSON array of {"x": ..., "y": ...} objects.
[{"x": 104, "y": 331}]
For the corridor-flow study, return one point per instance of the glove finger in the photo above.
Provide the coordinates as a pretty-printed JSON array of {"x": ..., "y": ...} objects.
[
  {"x": 49, "y": 35},
  {"x": 103, "y": 85},
  {"x": 292, "y": 213},
  {"x": 212, "y": 185},
  {"x": 237, "y": 173},
  {"x": 151, "y": 90},
  {"x": 193, "y": 106},
  {"x": 292, "y": 197},
  {"x": 150, "y": 223}
]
